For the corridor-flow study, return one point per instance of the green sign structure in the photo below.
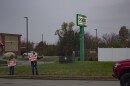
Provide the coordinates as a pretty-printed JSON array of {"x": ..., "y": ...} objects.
[{"x": 81, "y": 21}]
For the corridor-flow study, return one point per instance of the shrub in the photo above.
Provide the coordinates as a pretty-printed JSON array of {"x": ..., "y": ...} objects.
[{"x": 8, "y": 54}]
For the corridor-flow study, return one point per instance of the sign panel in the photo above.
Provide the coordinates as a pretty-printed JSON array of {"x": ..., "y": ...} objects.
[{"x": 81, "y": 20}]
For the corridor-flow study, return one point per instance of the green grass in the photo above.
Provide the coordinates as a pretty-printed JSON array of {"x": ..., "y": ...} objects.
[
  {"x": 86, "y": 68},
  {"x": 3, "y": 62},
  {"x": 50, "y": 59}
]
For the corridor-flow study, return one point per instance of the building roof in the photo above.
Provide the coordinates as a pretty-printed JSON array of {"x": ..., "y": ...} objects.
[{"x": 10, "y": 34}]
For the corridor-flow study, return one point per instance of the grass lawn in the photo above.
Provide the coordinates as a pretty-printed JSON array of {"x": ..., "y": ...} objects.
[
  {"x": 86, "y": 68},
  {"x": 3, "y": 62}
]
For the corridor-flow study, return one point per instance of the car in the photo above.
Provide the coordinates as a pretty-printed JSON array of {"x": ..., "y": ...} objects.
[
  {"x": 29, "y": 53},
  {"x": 121, "y": 71}
]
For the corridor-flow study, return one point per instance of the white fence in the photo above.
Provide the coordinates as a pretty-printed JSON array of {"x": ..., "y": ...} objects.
[{"x": 113, "y": 54}]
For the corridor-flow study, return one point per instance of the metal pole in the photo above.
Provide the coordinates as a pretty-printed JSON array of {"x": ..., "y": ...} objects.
[
  {"x": 42, "y": 45},
  {"x": 42, "y": 37},
  {"x": 27, "y": 32},
  {"x": 96, "y": 33},
  {"x": 96, "y": 40}
]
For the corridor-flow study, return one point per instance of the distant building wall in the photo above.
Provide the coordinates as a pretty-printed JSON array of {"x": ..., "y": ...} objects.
[
  {"x": 0, "y": 39},
  {"x": 12, "y": 43},
  {"x": 1, "y": 47},
  {"x": 113, "y": 54}
]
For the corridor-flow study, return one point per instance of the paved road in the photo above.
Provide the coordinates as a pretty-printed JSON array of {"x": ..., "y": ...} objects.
[{"x": 30, "y": 82}]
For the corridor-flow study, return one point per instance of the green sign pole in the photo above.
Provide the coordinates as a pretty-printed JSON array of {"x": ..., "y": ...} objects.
[
  {"x": 81, "y": 21},
  {"x": 81, "y": 43}
]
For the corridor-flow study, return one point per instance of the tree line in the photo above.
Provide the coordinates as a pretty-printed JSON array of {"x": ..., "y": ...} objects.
[{"x": 69, "y": 41}]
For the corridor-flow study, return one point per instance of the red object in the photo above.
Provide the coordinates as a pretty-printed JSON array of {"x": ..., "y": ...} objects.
[
  {"x": 121, "y": 71},
  {"x": 11, "y": 63},
  {"x": 1, "y": 44}
]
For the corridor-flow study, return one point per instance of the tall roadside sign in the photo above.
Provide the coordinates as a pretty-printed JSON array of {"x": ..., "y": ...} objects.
[{"x": 81, "y": 22}]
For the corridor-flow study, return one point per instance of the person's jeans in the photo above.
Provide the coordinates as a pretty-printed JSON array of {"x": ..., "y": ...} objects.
[
  {"x": 11, "y": 70},
  {"x": 34, "y": 67}
]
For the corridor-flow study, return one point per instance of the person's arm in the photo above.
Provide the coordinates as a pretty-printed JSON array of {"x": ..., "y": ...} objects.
[
  {"x": 8, "y": 63},
  {"x": 14, "y": 63},
  {"x": 29, "y": 57}
]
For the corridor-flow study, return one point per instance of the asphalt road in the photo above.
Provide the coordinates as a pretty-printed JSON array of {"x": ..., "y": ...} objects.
[{"x": 30, "y": 82}]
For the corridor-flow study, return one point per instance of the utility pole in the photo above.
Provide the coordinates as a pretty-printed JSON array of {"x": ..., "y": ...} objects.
[
  {"x": 96, "y": 33},
  {"x": 96, "y": 40},
  {"x": 42, "y": 45},
  {"x": 27, "y": 32}
]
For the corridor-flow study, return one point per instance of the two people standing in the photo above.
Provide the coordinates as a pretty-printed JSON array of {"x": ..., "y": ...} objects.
[{"x": 33, "y": 60}]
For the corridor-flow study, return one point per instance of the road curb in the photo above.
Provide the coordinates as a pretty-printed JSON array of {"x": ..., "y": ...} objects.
[{"x": 44, "y": 77}]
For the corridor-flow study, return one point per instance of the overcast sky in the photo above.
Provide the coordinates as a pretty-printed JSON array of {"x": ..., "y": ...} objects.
[{"x": 46, "y": 16}]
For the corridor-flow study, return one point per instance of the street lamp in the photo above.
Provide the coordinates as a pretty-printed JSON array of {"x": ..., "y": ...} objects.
[
  {"x": 42, "y": 45},
  {"x": 27, "y": 32},
  {"x": 96, "y": 40},
  {"x": 96, "y": 33}
]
